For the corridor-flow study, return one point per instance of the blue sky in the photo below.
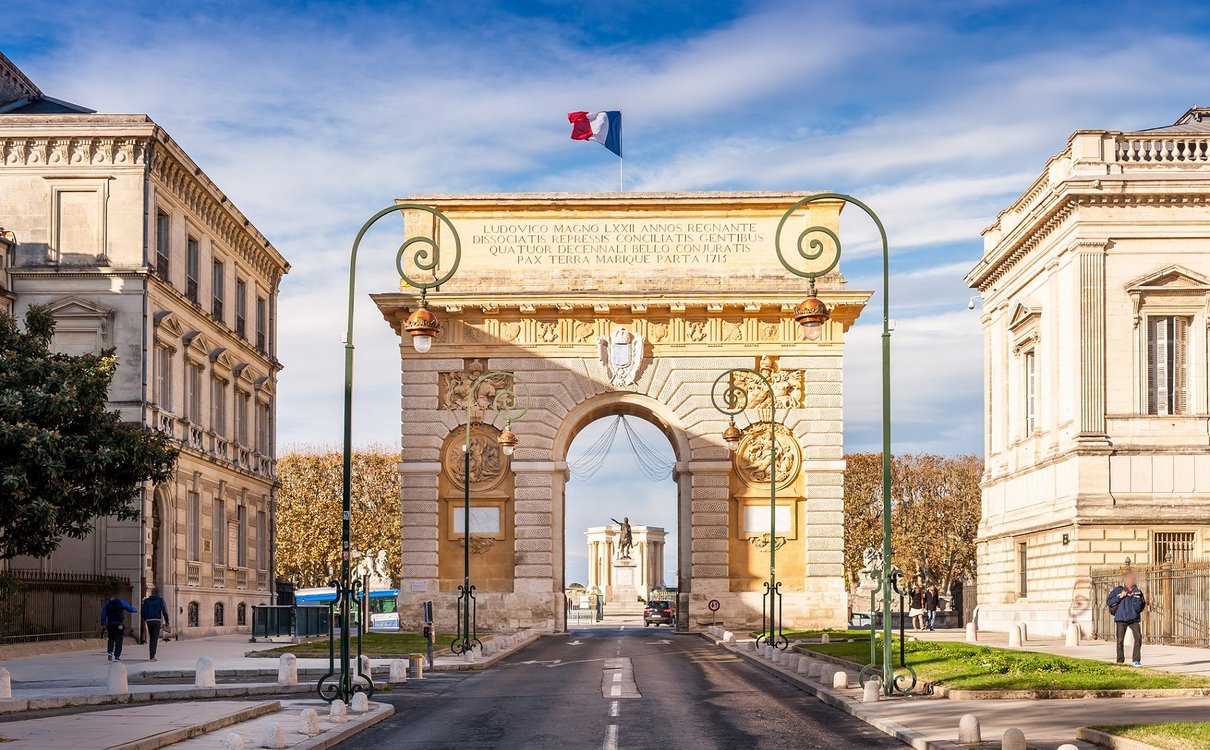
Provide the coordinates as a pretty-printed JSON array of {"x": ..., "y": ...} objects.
[{"x": 311, "y": 116}]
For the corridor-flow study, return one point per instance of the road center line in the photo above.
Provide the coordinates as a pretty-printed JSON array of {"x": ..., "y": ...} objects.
[
  {"x": 613, "y": 709},
  {"x": 611, "y": 738}
]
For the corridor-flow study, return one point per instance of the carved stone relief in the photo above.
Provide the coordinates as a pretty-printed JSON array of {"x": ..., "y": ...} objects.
[
  {"x": 479, "y": 544},
  {"x": 753, "y": 458},
  {"x": 456, "y": 386},
  {"x": 788, "y": 385},
  {"x": 488, "y": 462}
]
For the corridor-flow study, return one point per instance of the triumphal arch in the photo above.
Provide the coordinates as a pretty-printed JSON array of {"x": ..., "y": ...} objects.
[{"x": 628, "y": 304}]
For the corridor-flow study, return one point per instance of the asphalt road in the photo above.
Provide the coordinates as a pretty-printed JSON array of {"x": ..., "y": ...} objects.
[{"x": 629, "y": 689}]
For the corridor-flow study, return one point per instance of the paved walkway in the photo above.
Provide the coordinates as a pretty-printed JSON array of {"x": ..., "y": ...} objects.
[{"x": 1195, "y": 661}]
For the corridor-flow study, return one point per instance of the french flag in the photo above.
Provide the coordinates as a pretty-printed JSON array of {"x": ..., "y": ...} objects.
[{"x": 603, "y": 127}]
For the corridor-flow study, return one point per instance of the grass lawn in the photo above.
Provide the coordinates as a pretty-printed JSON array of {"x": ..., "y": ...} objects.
[
  {"x": 959, "y": 665},
  {"x": 377, "y": 645},
  {"x": 1181, "y": 736}
]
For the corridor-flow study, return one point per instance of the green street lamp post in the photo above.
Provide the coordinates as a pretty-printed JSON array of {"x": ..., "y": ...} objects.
[
  {"x": 736, "y": 397},
  {"x": 422, "y": 326},
  {"x": 819, "y": 247},
  {"x": 505, "y": 402}
]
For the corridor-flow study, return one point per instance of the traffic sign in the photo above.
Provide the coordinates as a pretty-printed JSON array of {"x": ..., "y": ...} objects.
[{"x": 714, "y": 605}]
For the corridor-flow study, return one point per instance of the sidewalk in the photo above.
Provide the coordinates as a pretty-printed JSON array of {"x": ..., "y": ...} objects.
[
  {"x": 1194, "y": 661},
  {"x": 931, "y": 723}
]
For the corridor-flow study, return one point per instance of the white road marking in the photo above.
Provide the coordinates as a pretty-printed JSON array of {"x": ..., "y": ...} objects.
[
  {"x": 617, "y": 677},
  {"x": 613, "y": 708},
  {"x": 659, "y": 643},
  {"x": 611, "y": 738},
  {"x": 615, "y": 692},
  {"x": 575, "y": 643}
]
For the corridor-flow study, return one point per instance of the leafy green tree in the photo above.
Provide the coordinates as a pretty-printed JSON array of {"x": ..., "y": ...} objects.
[{"x": 65, "y": 459}]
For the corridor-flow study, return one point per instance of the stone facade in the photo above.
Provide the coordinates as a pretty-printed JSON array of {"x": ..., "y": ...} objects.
[
  {"x": 134, "y": 248},
  {"x": 1096, "y": 287},
  {"x": 545, "y": 285}
]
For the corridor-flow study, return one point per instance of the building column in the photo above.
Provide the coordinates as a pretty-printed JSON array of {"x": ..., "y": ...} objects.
[{"x": 1091, "y": 258}]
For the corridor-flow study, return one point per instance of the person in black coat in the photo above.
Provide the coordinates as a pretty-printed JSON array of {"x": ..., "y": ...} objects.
[
  {"x": 1127, "y": 604},
  {"x": 155, "y": 616}
]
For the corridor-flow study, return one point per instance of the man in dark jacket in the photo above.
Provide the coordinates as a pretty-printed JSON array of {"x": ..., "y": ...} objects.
[
  {"x": 1130, "y": 603},
  {"x": 113, "y": 619},
  {"x": 155, "y": 615},
  {"x": 932, "y": 602}
]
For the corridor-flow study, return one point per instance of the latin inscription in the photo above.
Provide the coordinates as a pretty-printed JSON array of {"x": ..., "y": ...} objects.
[{"x": 607, "y": 242}]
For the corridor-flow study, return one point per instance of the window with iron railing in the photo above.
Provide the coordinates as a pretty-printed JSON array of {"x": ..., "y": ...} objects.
[
  {"x": 218, "y": 406},
  {"x": 241, "y": 308},
  {"x": 262, "y": 322},
  {"x": 163, "y": 236},
  {"x": 218, "y": 290},
  {"x": 194, "y": 527},
  {"x": 193, "y": 259},
  {"x": 1173, "y": 546}
]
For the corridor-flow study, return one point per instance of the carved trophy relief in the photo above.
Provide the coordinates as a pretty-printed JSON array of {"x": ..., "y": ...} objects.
[
  {"x": 455, "y": 387},
  {"x": 548, "y": 331},
  {"x": 510, "y": 330},
  {"x": 657, "y": 332},
  {"x": 733, "y": 330},
  {"x": 696, "y": 330},
  {"x": 584, "y": 332},
  {"x": 622, "y": 356},
  {"x": 769, "y": 330},
  {"x": 788, "y": 385},
  {"x": 755, "y": 455},
  {"x": 479, "y": 544}
]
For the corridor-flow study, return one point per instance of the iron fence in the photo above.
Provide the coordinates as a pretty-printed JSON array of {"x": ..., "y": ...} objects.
[
  {"x": 271, "y": 621},
  {"x": 1178, "y": 603},
  {"x": 39, "y": 606}
]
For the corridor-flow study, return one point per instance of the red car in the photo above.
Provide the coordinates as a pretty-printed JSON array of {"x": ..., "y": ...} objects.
[{"x": 659, "y": 612}]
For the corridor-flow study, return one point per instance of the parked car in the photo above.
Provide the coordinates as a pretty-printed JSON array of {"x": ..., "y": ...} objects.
[{"x": 659, "y": 612}]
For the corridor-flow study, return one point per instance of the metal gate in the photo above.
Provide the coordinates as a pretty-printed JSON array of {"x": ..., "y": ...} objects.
[{"x": 1178, "y": 603}]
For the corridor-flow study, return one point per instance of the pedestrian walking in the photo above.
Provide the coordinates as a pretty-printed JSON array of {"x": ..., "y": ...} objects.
[
  {"x": 113, "y": 619},
  {"x": 155, "y": 616},
  {"x": 1126, "y": 602},
  {"x": 932, "y": 602},
  {"x": 916, "y": 607}
]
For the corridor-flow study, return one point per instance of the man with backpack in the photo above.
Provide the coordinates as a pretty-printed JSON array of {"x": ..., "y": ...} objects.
[
  {"x": 113, "y": 619},
  {"x": 1126, "y": 603}
]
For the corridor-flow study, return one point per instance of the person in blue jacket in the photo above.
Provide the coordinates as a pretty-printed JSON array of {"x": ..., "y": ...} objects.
[
  {"x": 155, "y": 615},
  {"x": 113, "y": 619},
  {"x": 1127, "y": 602}
]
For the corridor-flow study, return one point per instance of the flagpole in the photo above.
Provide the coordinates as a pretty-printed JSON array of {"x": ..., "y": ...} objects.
[{"x": 620, "y": 180}]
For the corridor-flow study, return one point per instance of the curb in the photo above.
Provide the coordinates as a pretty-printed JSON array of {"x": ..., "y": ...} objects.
[
  {"x": 837, "y": 700},
  {"x": 164, "y": 739},
  {"x": 381, "y": 712},
  {"x": 185, "y": 693},
  {"x": 1103, "y": 739}
]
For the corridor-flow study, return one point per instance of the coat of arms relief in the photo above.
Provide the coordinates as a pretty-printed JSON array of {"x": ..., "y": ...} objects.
[
  {"x": 621, "y": 355},
  {"x": 454, "y": 387}
]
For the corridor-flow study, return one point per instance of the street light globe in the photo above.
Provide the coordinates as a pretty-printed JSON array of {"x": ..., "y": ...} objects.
[
  {"x": 731, "y": 436},
  {"x": 811, "y": 314},
  {"x": 423, "y": 327},
  {"x": 507, "y": 442}
]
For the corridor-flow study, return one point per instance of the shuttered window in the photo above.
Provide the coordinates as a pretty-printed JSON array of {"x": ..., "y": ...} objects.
[
  {"x": 1167, "y": 365},
  {"x": 1031, "y": 393}
]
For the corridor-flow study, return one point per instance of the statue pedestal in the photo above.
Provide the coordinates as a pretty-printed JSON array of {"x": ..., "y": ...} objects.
[{"x": 625, "y": 581}]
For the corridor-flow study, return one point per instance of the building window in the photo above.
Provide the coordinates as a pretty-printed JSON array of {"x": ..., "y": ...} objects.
[
  {"x": 262, "y": 321},
  {"x": 241, "y": 523},
  {"x": 162, "y": 238},
  {"x": 192, "y": 269},
  {"x": 220, "y": 531},
  {"x": 262, "y": 427},
  {"x": 243, "y": 401},
  {"x": 218, "y": 406},
  {"x": 218, "y": 614},
  {"x": 1022, "y": 569},
  {"x": 1173, "y": 547},
  {"x": 163, "y": 377},
  {"x": 194, "y": 523},
  {"x": 241, "y": 308},
  {"x": 1167, "y": 365},
  {"x": 193, "y": 392},
  {"x": 262, "y": 540},
  {"x": 218, "y": 290},
  {"x": 241, "y": 614},
  {"x": 1031, "y": 393},
  {"x": 195, "y": 614}
]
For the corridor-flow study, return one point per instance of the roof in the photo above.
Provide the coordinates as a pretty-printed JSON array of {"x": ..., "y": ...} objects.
[
  {"x": 1196, "y": 120},
  {"x": 21, "y": 96}
]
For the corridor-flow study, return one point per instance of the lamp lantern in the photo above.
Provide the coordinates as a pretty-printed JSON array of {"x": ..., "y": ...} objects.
[
  {"x": 507, "y": 441},
  {"x": 731, "y": 436},
  {"x": 423, "y": 327}
]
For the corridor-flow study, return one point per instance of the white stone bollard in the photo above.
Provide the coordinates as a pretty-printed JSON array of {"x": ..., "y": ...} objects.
[
  {"x": 804, "y": 665},
  {"x": 750, "y": 646},
  {"x": 6, "y": 684},
  {"x": 840, "y": 680},
  {"x": 968, "y": 730},
  {"x": 234, "y": 741},
  {"x": 813, "y": 668},
  {"x": 777, "y": 654},
  {"x": 730, "y": 638},
  {"x": 308, "y": 722},
  {"x": 1014, "y": 739},
  {"x": 1068, "y": 746},
  {"x": 1014, "y": 636},
  {"x": 287, "y": 670},
  {"x": 1024, "y": 632},
  {"x": 399, "y": 672},
  {"x": 116, "y": 679},
  {"x": 360, "y": 703},
  {"x": 972, "y": 633},
  {"x": 338, "y": 712},
  {"x": 825, "y": 674},
  {"x": 367, "y": 668},
  {"x": 872, "y": 692},
  {"x": 273, "y": 736},
  {"x": 203, "y": 676},
  {"x": 1073, "y": 635},
  {"x": 825, "y": 638}
]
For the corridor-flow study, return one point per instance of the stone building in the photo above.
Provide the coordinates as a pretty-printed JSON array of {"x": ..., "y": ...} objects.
[
  {"x": 614, "y": 576},
  {"x": 632, "y": 304},
  {"x": 134, "y": 248},
  {"x": 1096, "y": 289}
]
